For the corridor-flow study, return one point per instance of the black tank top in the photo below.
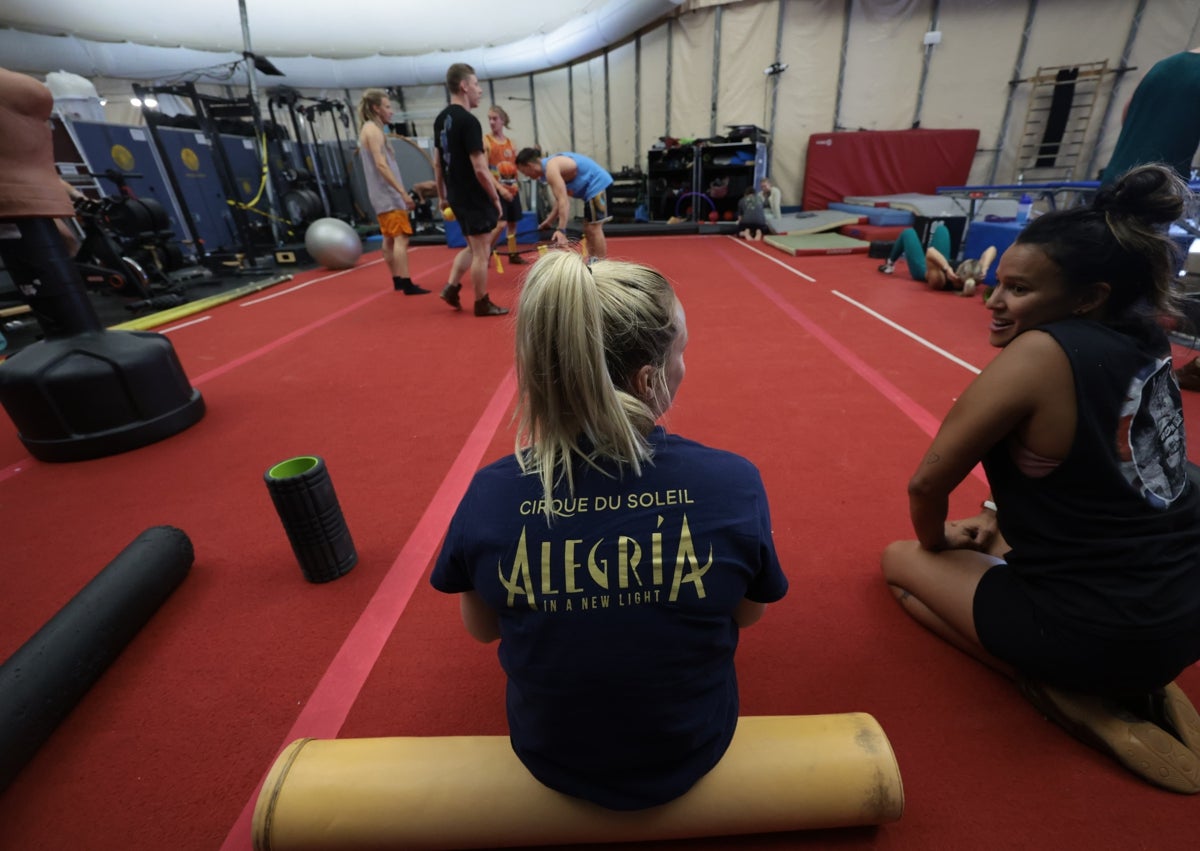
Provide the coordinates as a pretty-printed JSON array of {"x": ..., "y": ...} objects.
[{"x": 1110, "y": 540}]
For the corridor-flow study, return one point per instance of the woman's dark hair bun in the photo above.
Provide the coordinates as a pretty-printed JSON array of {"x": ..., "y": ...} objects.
[{"x": 1151, "y": 193}]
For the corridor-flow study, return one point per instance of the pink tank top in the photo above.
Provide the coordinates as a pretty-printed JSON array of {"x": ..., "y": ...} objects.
[{"x": 1030, "y": 463}]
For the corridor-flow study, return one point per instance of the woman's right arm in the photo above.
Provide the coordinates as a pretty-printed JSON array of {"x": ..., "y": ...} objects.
[
  {"x": 1002, "y": 397},
  {"x": 748, "y": 612},
  {"x": 479, "y": 618}
]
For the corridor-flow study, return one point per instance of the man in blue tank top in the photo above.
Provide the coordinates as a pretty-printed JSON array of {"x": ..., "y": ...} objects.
[{"x": 571, "y": 175}]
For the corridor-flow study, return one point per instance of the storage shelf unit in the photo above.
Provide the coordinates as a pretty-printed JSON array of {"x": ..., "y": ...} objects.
[
  {"x": 727, "y": 171},
  {"x": 671, "y": 172},
  {"x": 705, "y": 177},
  {"x": 627, "y": 191}
]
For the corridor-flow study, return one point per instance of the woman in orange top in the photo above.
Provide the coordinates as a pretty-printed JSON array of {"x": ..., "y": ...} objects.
[{"x": 502, "y": 156}]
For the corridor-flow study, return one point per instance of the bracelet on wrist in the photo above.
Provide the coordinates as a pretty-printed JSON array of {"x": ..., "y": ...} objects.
[{"x": 989, "y": 505}]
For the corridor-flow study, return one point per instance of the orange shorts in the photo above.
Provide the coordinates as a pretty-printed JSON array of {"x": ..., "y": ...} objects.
[{"x": 395, "y": 223}]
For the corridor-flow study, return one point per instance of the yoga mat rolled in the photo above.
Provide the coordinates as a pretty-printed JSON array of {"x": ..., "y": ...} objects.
[
  {"x": 312, "y": 517},
  {"x": 49, "y": 673},
  {"x": 780, "y": 773}
]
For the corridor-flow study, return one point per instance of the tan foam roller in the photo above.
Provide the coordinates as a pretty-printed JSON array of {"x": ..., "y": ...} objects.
[{"x": 780, "y": 773}]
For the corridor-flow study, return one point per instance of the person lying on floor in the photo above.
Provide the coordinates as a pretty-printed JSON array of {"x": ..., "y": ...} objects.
[
  {"x": 929, "y": 264},
  {"x": 615, "y": 562},
  {"x": 1082, "y": 580}
]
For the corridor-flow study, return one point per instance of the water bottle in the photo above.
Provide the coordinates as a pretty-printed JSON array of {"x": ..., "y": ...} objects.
[{"x": 1023, "y": 208}]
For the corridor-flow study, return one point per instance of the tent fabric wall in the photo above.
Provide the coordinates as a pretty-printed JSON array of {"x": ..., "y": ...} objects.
[
  {"x": 551, "y": 94},
  {"x": 421, "y": 105},
  {"x": 812, "y": 46},
  {"x": 589, "y": 118},
  {"x": 653, "y": 86},
  {"x": 1096, "y": 34},
  {"x": 691, "y": 74},
  {"x": 747, "y": 47},
  {"x": 964, "y": 62},
  {"x": 623, "y": 97},
  {"x": 967, "y": 83},
  {"x": 883, "y": 64}
]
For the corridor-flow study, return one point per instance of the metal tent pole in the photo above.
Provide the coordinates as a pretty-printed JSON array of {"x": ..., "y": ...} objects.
[
  {"x": 1130, "y": 38},
  {"x": 1016, "y": 75},
  {"x": 252, "y": 80}
]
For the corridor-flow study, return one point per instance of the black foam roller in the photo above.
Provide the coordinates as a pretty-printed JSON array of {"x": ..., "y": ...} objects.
[
  {"x": 41, "y": 683},
  {"x": 307, "y": 504}
]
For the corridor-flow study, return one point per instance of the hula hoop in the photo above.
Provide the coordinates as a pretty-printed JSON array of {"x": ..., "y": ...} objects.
[{"x": 711, "y": 206}]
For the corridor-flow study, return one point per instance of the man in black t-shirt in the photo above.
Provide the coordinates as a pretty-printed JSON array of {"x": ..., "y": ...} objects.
[{"x": 464, "y": 183}]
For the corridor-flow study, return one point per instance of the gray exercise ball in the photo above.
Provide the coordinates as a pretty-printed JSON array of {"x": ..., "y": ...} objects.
[{"x": 333, "y": 243}]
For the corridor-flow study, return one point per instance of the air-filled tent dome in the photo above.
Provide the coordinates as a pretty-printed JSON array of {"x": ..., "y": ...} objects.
[{"x": 352, "y": 43}]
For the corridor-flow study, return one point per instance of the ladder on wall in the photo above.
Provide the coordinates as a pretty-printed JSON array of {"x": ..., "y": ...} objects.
[{"x": 1059, "y": 112}]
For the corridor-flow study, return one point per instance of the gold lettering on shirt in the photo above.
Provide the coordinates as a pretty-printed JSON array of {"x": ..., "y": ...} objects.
[
  {"x": 656, "y": 560},
  {"x": 580, "y": 582},
  {"x": 520, "y": 573},
  {"x": 687, "y": 557},
  {"x": 582, "y": 505},
  {"x": 598, "y": 570},
  {"x": 629, "y": 556},
  {"x": 570, "y": 565},
  {"x": 547, "y": 580}
]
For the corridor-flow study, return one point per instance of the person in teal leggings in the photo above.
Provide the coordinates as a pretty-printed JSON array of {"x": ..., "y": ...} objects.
[{"x": 931, "y": 266}]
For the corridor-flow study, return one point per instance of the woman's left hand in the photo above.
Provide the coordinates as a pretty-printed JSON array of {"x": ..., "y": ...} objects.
[{"x": 974, "y": 533}]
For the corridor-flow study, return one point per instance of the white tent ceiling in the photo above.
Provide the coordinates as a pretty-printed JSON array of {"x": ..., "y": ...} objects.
[{"x": 344, "y": 42}]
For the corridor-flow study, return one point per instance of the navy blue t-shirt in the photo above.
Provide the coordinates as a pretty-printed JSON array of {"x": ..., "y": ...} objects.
[{"x": 616, "y": 623}]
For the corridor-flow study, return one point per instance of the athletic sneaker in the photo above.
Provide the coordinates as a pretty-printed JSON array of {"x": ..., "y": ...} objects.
[
  {"x": 450, "y": 295},
  {"x": 886, "y": 268},
  {"x": 516, "y": 259},
  {"x": 411, "y": 288},
  {"x": 1171, "y": 710},
  {"x": 1142, "y": 746},
  {"x": 484, "y": 307}
]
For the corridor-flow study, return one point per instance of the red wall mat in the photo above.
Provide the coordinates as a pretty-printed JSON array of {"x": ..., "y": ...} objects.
[{"x": 885, "y": 162}]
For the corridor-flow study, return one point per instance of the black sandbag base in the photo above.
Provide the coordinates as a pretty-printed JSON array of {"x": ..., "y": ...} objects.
[
  {"x": 97, "y": 393},
  {"x": 84, "y": 392},
  {"x": 46, "y": 677}
]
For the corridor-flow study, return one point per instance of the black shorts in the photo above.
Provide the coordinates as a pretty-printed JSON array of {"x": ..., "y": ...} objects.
[
  {"x": 1012, "y": 628},
  {"x": 595, "y": 209},
  {"x": 512, "y": 209},
  {"x": 473, "y": 221}
]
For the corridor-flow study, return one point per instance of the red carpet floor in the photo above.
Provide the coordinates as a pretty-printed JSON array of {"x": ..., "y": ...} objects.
[{"x": 829, "y": 376}]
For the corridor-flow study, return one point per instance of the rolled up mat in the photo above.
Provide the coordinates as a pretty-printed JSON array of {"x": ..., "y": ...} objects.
[
  {"x": 41, "y": 682},
  {"x": 312, "y": 517},
  {"x": 781, "y": 773}
]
